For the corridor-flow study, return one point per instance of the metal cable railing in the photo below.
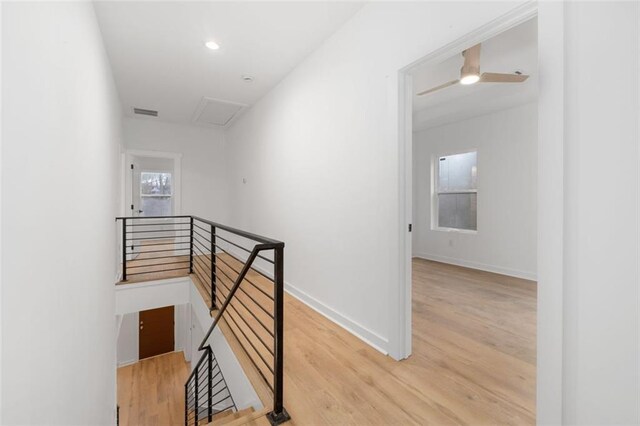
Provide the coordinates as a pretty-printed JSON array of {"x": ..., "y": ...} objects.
[
  {"x": 242, "y": 275},
  {"x": 154, "y": 246},
  {"x": 206, "y": 392}
]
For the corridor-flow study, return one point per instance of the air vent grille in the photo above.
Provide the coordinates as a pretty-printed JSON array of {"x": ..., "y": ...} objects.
[{"x": 143, "y": 111}]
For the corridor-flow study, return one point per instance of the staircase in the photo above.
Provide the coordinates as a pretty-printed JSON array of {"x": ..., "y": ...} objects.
[{"x": 240, "y": 277}]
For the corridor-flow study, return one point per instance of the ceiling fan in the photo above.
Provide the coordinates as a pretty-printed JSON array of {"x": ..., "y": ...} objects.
[{"x": 470, "y": 73}]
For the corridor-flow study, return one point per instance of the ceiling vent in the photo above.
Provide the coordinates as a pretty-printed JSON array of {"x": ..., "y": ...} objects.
[
  {"x": 217, "y": 112},
  {"x": 142, "y": 111}
]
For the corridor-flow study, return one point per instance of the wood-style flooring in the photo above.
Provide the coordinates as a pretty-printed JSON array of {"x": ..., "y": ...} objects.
[
  {"x": 473, "y": 361},
  {"x": 151, "y": 391},
  {"x": 473, "y": 358},
  {"x": 156, "y": 263}
]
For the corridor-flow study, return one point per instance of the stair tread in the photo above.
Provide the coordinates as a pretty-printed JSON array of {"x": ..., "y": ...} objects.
[
  {"x": 241, "y": 413},
  {"x": 242, "y": 417},
  {"x": 223, "y": 415}
]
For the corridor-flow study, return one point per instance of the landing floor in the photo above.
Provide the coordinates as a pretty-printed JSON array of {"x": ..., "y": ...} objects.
[{"x": 151, "y": 392}]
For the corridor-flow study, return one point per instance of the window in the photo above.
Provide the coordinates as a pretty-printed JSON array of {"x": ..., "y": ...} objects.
[
  {"x": 457, "y": 191},
  {"x": 156, "y": 189}
]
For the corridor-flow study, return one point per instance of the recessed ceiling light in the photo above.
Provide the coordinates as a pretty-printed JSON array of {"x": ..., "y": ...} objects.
[{"x": 212, "y": 45}]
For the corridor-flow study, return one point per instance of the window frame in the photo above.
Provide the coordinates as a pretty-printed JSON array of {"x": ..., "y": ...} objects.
[{"x": 435, "y": 194}]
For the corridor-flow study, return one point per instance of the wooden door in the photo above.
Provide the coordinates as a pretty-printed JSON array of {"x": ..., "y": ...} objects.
[{"x": 156, "y": 331}]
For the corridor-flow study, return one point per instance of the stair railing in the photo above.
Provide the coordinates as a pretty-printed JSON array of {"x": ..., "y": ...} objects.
[
  {"x": 206, "y": 392},
  {"x": 245, "y": 287}
]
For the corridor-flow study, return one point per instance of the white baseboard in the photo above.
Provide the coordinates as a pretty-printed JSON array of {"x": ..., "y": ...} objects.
[
  {"x": 369, "y": 337},
  {"x": 127, "y": 362},
  {"x": 478, "y": 265}
]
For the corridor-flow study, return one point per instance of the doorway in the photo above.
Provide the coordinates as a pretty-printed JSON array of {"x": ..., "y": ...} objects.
[
  {"x": 156, "y": 332},
  {"x": 152, "y": 188},
  {"x": 471, "y": 179}
]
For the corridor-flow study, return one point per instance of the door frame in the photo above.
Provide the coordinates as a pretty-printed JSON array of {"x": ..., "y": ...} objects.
[
  {"x": 550, "y": 216},
  {"x": 177, "y": 176}
]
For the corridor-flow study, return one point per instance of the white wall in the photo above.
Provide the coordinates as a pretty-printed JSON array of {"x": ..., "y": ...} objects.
[
  {"x": 506, "y": 142},
  {"x": 182, "y": 329},
  {"x": 600, "y": 370},
  {"x": 151, "y": 295},
  {"x": 60, "y": 138},
  {"x": 128, "y": 342},
  {"x": 320, "y": 154},
  {"x": 1, "y": 120},
  {"x": 204, "y": 166}
]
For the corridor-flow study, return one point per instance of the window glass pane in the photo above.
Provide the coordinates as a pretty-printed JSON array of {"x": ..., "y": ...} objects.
[
  {"x": 458, "y": 211},
  {"x": 457, "y": 172},
  {"x": 155, "y": 183},
  {"x": 156, "y": 206}
]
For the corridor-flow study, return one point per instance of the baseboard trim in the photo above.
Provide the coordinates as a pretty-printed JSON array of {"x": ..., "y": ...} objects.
[
  {"x": 478, "y": 265},
  {"x": 127, "y": 362},
  {"x": 374, "y": 340}
]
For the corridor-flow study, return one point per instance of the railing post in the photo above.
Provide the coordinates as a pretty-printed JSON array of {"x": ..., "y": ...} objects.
[
  {"x": 213, "y": 267},
  {"x": 195, "y": 395},
  {"x": 124, "y": 249},
  {"x": 186, "y": 404},
  {"x": 191, "y": 246},
  {"x": 279, "y": 414},
  {"x": 210, "y": 384}
]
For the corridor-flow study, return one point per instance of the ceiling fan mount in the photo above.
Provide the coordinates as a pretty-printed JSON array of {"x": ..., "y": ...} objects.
[{"x": 470, "y": 73}]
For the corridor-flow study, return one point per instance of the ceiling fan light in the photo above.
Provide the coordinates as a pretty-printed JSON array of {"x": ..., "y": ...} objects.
[
  {"x": 470, "y": 79},
  {"x": 212, "y": 45}
]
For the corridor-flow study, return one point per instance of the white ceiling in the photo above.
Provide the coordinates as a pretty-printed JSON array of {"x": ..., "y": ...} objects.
[
  {"x": 160, "y": 62},
  {"x": 515, "y": 49}
]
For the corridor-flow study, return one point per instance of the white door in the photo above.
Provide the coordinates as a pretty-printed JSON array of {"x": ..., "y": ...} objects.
[
  {"x": 151, "y": 186},
  {"x": 135, "y": 205},
  {"x": 132, "y": 180}
]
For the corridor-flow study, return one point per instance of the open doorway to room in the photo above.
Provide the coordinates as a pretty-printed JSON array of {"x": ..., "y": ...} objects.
[{"x": 473, "y": 249}]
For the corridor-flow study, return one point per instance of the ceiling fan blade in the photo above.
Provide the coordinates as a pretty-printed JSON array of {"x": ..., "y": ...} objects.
[
  {"x": 442, "y": 86},
  {"x": 494, "y": 77}
]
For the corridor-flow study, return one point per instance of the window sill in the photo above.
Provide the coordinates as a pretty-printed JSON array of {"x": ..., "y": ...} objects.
[{"x": 461, "y": 231}]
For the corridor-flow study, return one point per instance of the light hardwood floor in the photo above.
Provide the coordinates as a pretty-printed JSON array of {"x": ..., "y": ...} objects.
[
  {"x": 473, "y": 358},
  {"x": 151, "y": 392}
]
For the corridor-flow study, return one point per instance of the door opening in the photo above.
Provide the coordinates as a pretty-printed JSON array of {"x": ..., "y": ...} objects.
[
  {"x": 152, "y": 186},
  {"x": 152, "y": 189},
  {"x": 470, "y": 180}
]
